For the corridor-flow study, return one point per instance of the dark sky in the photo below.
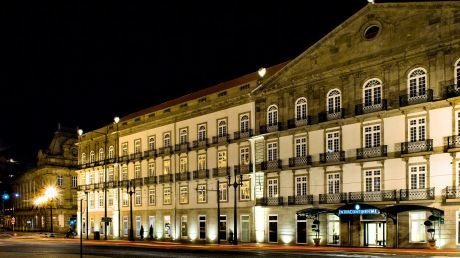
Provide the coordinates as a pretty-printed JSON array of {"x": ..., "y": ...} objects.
[{"x": 81, "y": 64}]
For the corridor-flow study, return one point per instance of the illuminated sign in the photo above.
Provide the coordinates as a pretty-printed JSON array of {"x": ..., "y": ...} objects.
[{"x": 359, "y": 211}]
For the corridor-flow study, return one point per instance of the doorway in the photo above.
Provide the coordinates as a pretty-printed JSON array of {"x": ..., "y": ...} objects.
[
  {"x": 301, "y": 229},
  {"x": 273, "y": 228},
  {"x": 223, "y": 228},
  {"x": 374, "y": 234}
]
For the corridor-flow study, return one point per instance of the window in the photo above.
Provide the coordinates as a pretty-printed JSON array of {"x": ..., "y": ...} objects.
[
  {"x": 183, "y": 194},
  {"x": 91, "y": 157},
  {"x": 111, "y": 152},
  {"x": 110, "y": 175},
  {"x": 202, "y": 193},
  {"x": 201, "y": 133},
  {"x": 417, "y": 228},
  {"x": 82, "y": 179},
  {"x": 125, "y": 200},
  {"x": 244, "y": 123},
  {"x": 333, "y": 101},
  {"x": 183, "y": 226},
  {"x": 137, "y": 171},
  {"x": 223, "y": 192},
  {"x": 90, "y": 178},
  {"x": 457, "y": 73},
  {"x": 91, "y": 200},
  {"x": 124, "y": 149},
  {"x": 183, "y": 139},
  {"x": 457, "y": 121},
  {"x": 100, "y": 177},
  {"x": 110, "y": 199},
  {"x": 60, "y": 180},
  {"x": 333, "y": 141},
  {"x": 371, "y": 32},
  {"x": 333, "y": 183},
  {"x": 272, "y": 115},
  {"x": 151, "y": 142},
  {"x": 245, "y": 191},
  {"x": 222, "y": 128},
  {"x": 372, "y": 180},
  {"x": 244, "y": 156},
  {"x": 167, "y": 195},
  {"x": 417, "y": 175},
  {"x": 272, "y": 187},
  {"x": 74, "y": 181},
  {"x": 221, "y": 94},
  {"x": 83, "y": 158},
  {"x": 371, "y": 136},
  {"x": 372, "y": 92},
  {"x": 137, "y": 146},
  {"x": 417, "y": 129},
  {"x": 166, "y": 140},
  {"x": 202, "y": 162},
  {"x": 124, "y": 173},
  {"x": 417, "y": 82},
  {"x": 138, "y": 225},
  {"x": 272, "y": 151},
  {"x": 222, "y": 159},
  {"x": 101, "y": 199},
  {"x": 301, "y": 109},
  {"x": 125, "y": 225},
  {"x": 151, "y": 196},
  {"x": 138, "y": 198},
  {"x": 301, "y": 185},
  {"x": 183, "y": 165},
  {"x": 202, "y": 227},
  {"x": 151, "y": 169},
  {"x": 166, "y": 167},
  {"x": 101, "y": 154},
  {"x": 301, "y": 147}
]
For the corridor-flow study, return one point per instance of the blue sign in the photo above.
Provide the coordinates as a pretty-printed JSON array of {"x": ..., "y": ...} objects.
[
  {"x": 359, "y": 211},
  {"x": 5, "y": 196}
]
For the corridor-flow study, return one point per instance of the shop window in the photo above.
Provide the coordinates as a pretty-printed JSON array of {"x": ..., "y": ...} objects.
[{"x": 417, "y": 231}]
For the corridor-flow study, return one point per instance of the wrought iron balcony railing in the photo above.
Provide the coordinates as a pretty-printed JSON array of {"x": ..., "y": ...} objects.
[
  {"x": 366, "y": 108},
  {"x": 333, "y": 115},
  {"x": 451, "y": 192},
  {"x": 271, "y": 164},
  {"x": 332, "y": 198},
  {"x": 165, "y": 150},
  {"x": 421, "y": 97},
  {"x": 268, "y": 128},
  {"x": 123, "y": 183},
  {"x": 201, "y": 174},
  {"x": 377, "y": 196},
  {"x": 416, "y": 194},
  {"x": 453, "y": 90},
  {"x": 181, "y": 147},
  {"x": 100, "y": 162},
  {"x": 269, "y": 201},
  {"x": 218, "y": 172},
  {"x": 453, "y": 141},
  {"x": 300, "y": 161},
  {"x": 327, "y": 157},
  {"x": 243, "y": 169},
  {"x": 135, "y": 156},
  {"x": 124, "y": 158},
  {"x": 296, "y": 122},
  {"x": 220, "y": 139},
  {"x": 150, "y": 180},
  {"x": 168, "y": 178},
  {"x": 203, "y": 143},
  {"x": 418, "y": 146},
  {"x": 112, "y": 184},
  {"x": 150, "y": 153},
  {"x": 184, "y": 176},
  {"x": 300, "y": 199},
  {"x": 138, "y": 181},
  {"x": 371, "y": 152},
  {"x": 242, "y": 134}
]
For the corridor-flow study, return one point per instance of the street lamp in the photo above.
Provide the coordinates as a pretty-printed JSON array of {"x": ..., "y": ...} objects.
[
  {"x": 131, "y": 191},
  {"x": 50, "y": 194},
  {"x": 235, "y": 221}
]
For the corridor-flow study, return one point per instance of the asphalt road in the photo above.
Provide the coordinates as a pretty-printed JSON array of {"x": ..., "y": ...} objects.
[{"x": 18, "y": 248}]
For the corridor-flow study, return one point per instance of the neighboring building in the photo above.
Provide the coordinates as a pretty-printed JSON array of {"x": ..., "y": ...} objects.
[
  {"x": 55, "y": 167},
  {"x": 360, "y": 132}
]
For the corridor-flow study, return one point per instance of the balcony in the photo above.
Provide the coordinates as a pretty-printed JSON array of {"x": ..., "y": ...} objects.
[
  {"x": 100, "y": 162},
  {"x": 416, "y": 194},
  {"x": 111, "y": 160},
  {"x": 300, "y": 161},
  {"x": 451, "y": 192},
  {"x": 220, "y": 139},
  {"x": 112, "y": 184},
  {"x": 300, "y": 199},
  {"x": 201, "y": 174},
  {"x": 271, "y": 164},
  {"x": 242, "y": 134},
  {"x": 269, "y": 201},
  {"x": 331, "y": 157},
  {"x": 138, "y": 181},
  {"x": 332, "y": 198},
  {"x": 332, "y": 115},
  {"x": 418, "y": 146},
  {"x": 411, "y": 99},
  {"x": 299, "y": 122},
  {"x": 453, "y": 90},
  {"x": 203, "y": 143},
  {"x": 84, "y": 187},
  {"x": 182, "y": 147},
  {"x": 366, "y": 108},
  {"x": 371, "y": 152},
  {"x": 243, "y": 169},
  {"x": 124, "y": 158},
  {"x": 135, "y": 156},
  {"x": 150, "y": 153},
  {"x": 165, "y": 150},
  {"x": 377, "y": 196},
  {"x": 219, "y": 172},
  {"x": 184, "y": 176},
  {"x": 453, "y": 142},
  {"x": 150, "y": 180},
  {"x": 271, "y": 127},
  {"x": 123, "y": 183},
  {"x": 168, "y": 178}
]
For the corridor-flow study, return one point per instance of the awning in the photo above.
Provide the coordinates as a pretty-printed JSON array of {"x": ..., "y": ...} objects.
[
  {"x": 392, "y": 211},
  {"x": 313, "y": 212}
]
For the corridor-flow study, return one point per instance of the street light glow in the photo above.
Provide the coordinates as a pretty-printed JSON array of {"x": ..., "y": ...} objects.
[
  {"x": 262, "y": 71},
  {"x": 51, "y": 192},
  {"x": 80, "y": 132},
  {"x": 39, "y": 200},
  {"x": 116, "y": 119}
]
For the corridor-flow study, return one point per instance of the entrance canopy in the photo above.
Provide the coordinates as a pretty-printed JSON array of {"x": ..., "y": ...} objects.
[
  {"x": 392, "y": 211},
  {"x": 313, "y": 212}
]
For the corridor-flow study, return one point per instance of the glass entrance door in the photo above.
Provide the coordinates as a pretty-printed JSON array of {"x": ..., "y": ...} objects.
[
  {"x": 301, "y": 229},
  {"x": 374, "y": 234}
]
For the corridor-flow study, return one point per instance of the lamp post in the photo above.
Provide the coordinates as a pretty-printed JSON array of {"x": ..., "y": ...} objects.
[
  {"x": 86, "y": 220},
  {"x": 235, "y": 221},
  {"x": 131, "y": 191},
  {"x": 50, "y": 194}
]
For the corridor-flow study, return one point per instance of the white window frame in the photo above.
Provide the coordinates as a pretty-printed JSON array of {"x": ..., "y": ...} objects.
[
  {"x": 301, "y": 185},
  {"x": 101, "y": 199},
  {"x": 137, "y": 171},
  {"x": 272, "y": 151},
  {"x": 167, "y": 196},
  {"x": 272, "y": 115},
  {"x": 333, "y": 141},
  {"x": 272, "y": 187},
  {"x": 152, "y": 196},
  {"x": 124, "y": 149},
  {"x": 183, "y": 136},
  {"x": 221, "y": 128},
  {"x": 183, "y": 194},
  {"x": 222, "y": 159},
  {"x": 202, "y": 193},
  {"x": 223, "y": 192},
  {"x": 334, "y": 101},
  {"x": 60, "y": 180},
  {"x": 244, "y": 123},
  {"x": 138, "y": 197},
  {"x": 111, "y": 152},
  {"x": 372, "y": 92},
  {"x": 245, "y": 190},
  {"x": 74, "y": 181},
  {"x": 244, "y": 156},
  {"x": 457, "y": 73},
  {"x": 92, "y": 157},
  {"x": 151, "y": 168},
  {"x": 301, "y": 111},
  {"x": 202, "y": 164},
  {"x": 166, "y": 167},
  {"x": 333, "y": 182},
  {"x": 101, "y": 154},
  {"x": 300, "y": 146},
  {"x": 373, "y": 180},
  {"x": 152, "y": 143},
  {"x": 421, "y": 221},
  {"x": 417, "y": 82},
  {"x": 417, "y": 129},
  {"x": 183, "y": 164},
  {"x": 372, "y": 135},
  {"x": 418, "y": 176},
  {"x": 137, "y": 146},
  {"x": 201, "y": 132},
  {"x": 166, "y": 139}
]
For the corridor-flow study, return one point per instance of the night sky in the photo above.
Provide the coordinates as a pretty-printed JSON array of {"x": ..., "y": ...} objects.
[{"x": 80, "y": 64}]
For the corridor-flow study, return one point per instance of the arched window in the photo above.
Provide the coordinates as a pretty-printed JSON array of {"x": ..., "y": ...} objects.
[
  {"x": 201, "y": 133},
  {"x": 166, "y": 140},
  {"x": 417, "y": 82},
  {"x": 244, "y": 123},
  {"x": 272, "y": 115},
  {"x": 222, "y": 128},
  {"x": 111, "y": 152},
  {"x": 457, "y": 73},
  {"x": 301, "y": 109},
  {"x": 151, "y": 143},
  {"x": 101, "y": 154},
  {"x": 83, "y": 158},
  {"x": 372, "y": 92},
  {"x": 333, "y": 101},
  {"x": 91, "y": 157},
  {"x": 183, "y": 136}
]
